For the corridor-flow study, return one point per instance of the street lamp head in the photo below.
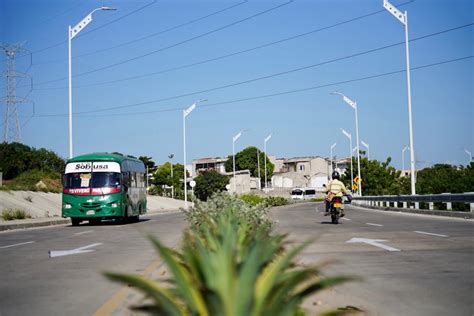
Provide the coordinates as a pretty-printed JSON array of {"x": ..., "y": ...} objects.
[
  {"x": 268, "y": 138},
  {"x": 236, "y": 137},
  {"x": 108, "y": 9},
  {"x": 346, "y": 133},
  {"x": 170, "y": 156},
  {"x": 333, "y": 145},
  {"x": 346, "y": 99}
]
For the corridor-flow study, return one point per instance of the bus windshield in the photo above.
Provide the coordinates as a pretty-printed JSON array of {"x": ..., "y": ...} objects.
[{"x": 82, "y": 182}]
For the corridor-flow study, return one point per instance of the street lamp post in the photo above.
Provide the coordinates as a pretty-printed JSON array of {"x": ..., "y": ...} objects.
[
  {"x": 350, "y": 152},
  {"x": 368, "y": 148},
  {"x": 353, "y": 105},
  {"x": 258, "y": 168},
  {"x": 403, "y": 157},
  {"x": 72, "y": 32},
  {"x": 332, "y": 147},
  {"x": 170, "y": 156},
  {"x": 234, "y": 139},
  {"x": 265, "y": 157},
  {"x": 186, "y": 112},
  {"x": 403, "y": 18}
]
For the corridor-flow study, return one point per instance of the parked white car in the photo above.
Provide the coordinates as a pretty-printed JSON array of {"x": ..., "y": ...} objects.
[{"x": 303, "y": 193}]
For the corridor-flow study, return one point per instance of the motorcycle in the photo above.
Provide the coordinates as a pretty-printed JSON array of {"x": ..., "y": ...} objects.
[{"x": 336, "y": 207}]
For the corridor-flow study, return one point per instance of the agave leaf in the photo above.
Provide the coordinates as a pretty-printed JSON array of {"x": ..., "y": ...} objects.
[
  {"x": 183, "y": 279},
  {"x": 266, "y": 281},
  {"x": 165, "y": 301}
]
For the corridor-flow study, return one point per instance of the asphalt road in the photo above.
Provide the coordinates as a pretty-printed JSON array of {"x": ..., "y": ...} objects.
[
  {"x": 424, "y": 266},
  {"x": 428, "y": 268},
  {"x": 32, "y": 283}
]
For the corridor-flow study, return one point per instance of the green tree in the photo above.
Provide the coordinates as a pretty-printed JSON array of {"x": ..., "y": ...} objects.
[
  {"x": 162, "y": 176},
  {"x": 16, "y": 158},
  {"x": 148, "y": 162},
  {"x": 208, "y": 183},
  {"x": 378, "y": 178},
  {"x": 247, "y": 160},
  {"x": 444, "y": 178}
]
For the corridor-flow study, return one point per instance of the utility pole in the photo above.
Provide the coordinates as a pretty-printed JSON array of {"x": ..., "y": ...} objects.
[{"x": 12, "y": 128}]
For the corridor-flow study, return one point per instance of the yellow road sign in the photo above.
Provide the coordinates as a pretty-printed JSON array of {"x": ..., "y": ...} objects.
[
  {"x": 354, "y": 187},
  {"x": 357, "y": 180}
]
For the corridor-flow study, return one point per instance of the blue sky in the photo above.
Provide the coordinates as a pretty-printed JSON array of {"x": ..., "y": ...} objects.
[{"x": 302, "y": 123}]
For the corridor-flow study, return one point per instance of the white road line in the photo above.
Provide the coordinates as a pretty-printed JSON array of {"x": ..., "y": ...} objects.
[
  {"x": 372, "y": 224},
  {"x": 346, "y": 219},
  {"x": 60, "y": 253},
  {"x": 14, "y": 245},
  {"x": 431, "y": 234},
  {"x": 85, "y": 232}
]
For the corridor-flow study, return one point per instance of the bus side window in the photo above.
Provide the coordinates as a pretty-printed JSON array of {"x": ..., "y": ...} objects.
[
  {"x": 126, "y": 178},
  {"x": 133, "y": 178}
]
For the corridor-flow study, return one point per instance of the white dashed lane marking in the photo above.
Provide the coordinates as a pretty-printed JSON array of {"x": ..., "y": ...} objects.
[
  {"x": 14, "y": 245},
  {"x": 84, "y": 232},
  {"x": 372, "y": 224},
  {"x": 431, "y": 234},
  {"x": 346, "y": 219}
]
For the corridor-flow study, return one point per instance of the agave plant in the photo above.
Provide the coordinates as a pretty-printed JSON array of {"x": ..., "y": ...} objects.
[{"x": 220, "y": 271}]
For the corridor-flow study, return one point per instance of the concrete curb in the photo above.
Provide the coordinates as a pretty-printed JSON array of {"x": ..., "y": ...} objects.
[
  {"x": 465, "y": 215},
  {"x": 30, "y": 223},
  {"x": 43, "y": 222}
]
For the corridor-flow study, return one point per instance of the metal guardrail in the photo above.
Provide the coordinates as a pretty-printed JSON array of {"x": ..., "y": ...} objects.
[
  {"x": 413, "y": 201},
  {"x": 445, "y": 198}
]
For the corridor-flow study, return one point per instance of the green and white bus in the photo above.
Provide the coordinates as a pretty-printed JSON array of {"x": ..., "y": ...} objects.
[{"x": 103, "y": 186}]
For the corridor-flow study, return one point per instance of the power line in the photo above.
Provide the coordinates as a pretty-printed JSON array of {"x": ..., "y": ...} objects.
[
  {"x": 78, "y": 114},
  {"x": 150, "y": 35},
  {"x": 224, "y": 56},
  {"x": 228, "y": 55},
  {"x": 260, "y": 78},
  {"x": 175, "y": 44},
  {"x": 97, "y": 28},
  {"x": 277, "y": 74}
]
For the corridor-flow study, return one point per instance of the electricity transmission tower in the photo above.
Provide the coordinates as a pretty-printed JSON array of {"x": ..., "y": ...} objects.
[{"x": 11, "y": 125}]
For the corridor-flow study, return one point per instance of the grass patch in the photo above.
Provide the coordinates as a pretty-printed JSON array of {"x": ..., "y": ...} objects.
[
  {"x": 12, "y": 214},
  {"x": 253, "y": 199},
  {"x": 27, "y": 182}
]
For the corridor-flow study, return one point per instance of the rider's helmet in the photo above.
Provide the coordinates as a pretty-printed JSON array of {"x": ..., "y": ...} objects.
[{"x": 335, "y": 175}]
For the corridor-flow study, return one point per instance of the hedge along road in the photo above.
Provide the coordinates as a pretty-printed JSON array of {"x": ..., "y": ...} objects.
[
  {"x": 428, "y": 275},
  {"x": 409, "y": 264}
]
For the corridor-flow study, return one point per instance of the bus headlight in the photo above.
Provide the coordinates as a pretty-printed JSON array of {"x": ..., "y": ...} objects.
[
  {"x": 114, "y": 205},
  {"x": 67, "y": 206}
]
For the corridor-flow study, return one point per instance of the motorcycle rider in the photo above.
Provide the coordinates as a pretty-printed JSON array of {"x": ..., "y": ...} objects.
[{"x": 334, "y": 188}]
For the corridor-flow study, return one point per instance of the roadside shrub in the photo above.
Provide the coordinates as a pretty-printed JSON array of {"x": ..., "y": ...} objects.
[
  {"x": 276, "y": 201},
  {"x": 252, "y": 218},
  {"x": 271, "y": 201},
  {"x": 11, "y": 214},
  {"x": 216, "y": 273},
  {"x": 317, "y": 200},
  {"x": 252, "y": 199}
]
